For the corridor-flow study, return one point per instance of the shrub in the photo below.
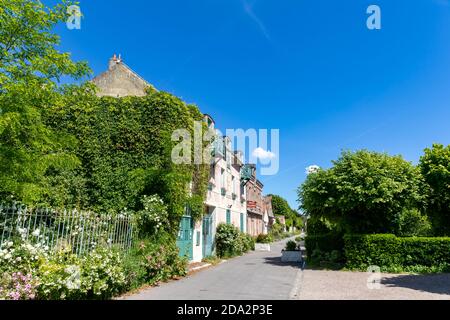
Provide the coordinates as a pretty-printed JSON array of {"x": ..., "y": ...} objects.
[
  {"x": 264, "y": 238},
  {"x": 58, "y": 274},
  {"x": 230, "y": 241},
  {"x": 152, "y": 262},
  {"x": 394, "y": 253},
  {"x": 413, "y": 223},
  {"x": 291, "y": 246},
  {"x": 17, "y": 286},
  {"x": 153, "y": 217}
]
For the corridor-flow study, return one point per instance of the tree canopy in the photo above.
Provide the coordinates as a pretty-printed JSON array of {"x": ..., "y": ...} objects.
[
  {"x": 435, "y": 168},
  {"x": 30, "y": 68},
  {"x": 363, "y": 192},
  {"x": 281, "y": 207}
]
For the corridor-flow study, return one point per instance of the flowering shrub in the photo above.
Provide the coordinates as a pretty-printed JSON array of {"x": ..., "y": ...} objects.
[
  {"x": 22, "y": 256},
  {"x": 32, "y": 271},
  {"x": 153, "y": 217},
  {"x": 102, "y": 274},
  {"x": 60, "y": 275},
  {"x": 151, "y": 263},
  {"x": 230, "y": 241},
  {"x": 17, "y": 286}
]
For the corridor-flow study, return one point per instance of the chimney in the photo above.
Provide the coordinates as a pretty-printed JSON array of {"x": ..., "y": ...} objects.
[{"x": 113, "y": 61}]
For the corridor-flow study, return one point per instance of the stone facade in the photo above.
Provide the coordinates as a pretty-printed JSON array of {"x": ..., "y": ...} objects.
[{"x": 120, "y": 81}]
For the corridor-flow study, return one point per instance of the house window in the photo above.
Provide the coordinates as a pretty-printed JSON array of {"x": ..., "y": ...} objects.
[
  {"x": 233, "y": 183},
  {"x": 228, "y": 216},
  {"x": 222, "y": 178}
]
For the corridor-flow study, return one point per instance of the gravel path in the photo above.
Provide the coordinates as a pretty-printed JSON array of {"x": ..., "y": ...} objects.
[{"x": 341, "y": 285}]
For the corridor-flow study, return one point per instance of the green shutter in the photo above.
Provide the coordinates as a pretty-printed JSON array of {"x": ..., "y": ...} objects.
[{"x": 228, "y": 217}]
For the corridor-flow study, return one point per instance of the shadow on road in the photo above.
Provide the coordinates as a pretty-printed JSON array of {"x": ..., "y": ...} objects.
[
  {"x": 438, "y": 283},
  {"x": 277, "y": 262}
]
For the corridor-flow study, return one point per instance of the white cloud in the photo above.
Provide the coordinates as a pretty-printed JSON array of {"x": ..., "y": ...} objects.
[{"x": 262, "y": 154}]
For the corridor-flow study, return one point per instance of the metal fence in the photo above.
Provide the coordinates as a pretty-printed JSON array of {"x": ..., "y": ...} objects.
[{"x": 80, "y": 230}]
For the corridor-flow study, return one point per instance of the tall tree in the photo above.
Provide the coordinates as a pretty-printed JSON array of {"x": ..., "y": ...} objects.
[
  {"x": 364, "y": 192},
  {"x": 30, "y": 69},
  {"x": 435, "y": 167}
]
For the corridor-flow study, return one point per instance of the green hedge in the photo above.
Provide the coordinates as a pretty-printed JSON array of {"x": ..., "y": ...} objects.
[{"x": 394, "y": 253}]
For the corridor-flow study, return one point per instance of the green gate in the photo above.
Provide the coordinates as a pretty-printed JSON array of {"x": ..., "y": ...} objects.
[{"x": 185, "y": 236}]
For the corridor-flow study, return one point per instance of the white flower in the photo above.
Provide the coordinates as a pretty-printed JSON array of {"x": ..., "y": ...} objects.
[
  {"x": 8, "y": 256},
  {"x": 10, "y": 244},
  {"x": 36, "y": 233},
  {"x": 18, "y": 259}
]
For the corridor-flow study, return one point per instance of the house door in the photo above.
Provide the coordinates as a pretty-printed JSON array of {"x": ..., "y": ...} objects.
[
  {"x": 207, "y": 236},
  {"x": 242, "y": 222},
  {"x": 185, "y": 235}
]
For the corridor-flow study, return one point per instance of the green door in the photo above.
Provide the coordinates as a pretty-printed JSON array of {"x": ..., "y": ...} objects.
[
  {"x": 228, "y": 216},
  {"x": 207, "y": 249},
  {"x": 185, "y": 236},
  {"x": 242, "y": 222}
]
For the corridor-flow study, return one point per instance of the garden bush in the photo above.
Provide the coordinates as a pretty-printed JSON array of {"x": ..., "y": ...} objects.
[
  {"x": 291, "y": 246},
  {"x": 264, "y": 238},
  {"x": 230, "y": 241},
  {"x": 31, "y": 271},
  {"x": 151, "y": 262},
  {"x": 396, "y": 254}
]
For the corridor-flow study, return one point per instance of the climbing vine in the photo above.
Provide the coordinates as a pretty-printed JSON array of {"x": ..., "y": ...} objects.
[{"x": 124, "y": 149}]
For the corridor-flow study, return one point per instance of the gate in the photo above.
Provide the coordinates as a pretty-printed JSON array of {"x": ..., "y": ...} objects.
[{"x": 185, "y": 236}]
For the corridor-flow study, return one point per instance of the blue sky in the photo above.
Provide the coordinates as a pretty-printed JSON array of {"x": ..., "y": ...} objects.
[{"x": 309, "y": 68}]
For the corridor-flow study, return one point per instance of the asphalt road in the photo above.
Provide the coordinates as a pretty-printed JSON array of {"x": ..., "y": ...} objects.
[{"x": 257, "y": 275}]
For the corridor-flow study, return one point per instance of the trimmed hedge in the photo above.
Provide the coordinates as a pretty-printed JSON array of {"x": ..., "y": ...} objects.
[{"x": 394, "y": 253}]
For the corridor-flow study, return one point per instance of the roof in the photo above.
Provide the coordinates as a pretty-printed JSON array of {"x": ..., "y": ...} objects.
[{"x": 120, "y": 80}]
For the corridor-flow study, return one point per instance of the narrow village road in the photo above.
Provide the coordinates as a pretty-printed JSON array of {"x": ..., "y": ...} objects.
[{"x": 257, "y": 275}]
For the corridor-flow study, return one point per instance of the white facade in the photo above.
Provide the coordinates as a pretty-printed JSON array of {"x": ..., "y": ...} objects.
[{"x": 225, "y": 200}]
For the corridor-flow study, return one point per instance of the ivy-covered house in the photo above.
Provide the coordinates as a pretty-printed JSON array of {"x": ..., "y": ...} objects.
[{"x": 226, "y": 200}]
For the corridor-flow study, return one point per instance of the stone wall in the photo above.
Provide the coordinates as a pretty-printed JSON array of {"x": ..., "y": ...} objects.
[{"x": 120, "y": 81}]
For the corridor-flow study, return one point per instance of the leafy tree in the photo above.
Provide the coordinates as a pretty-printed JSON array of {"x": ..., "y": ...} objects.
[
  {"x": 435, "y": 167},
  {"x": 414, "y": 223},
  {"x": 30, "y": 68},
  {"x": 364, "y": 192},
  {"x": 281, "y": 207}
]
